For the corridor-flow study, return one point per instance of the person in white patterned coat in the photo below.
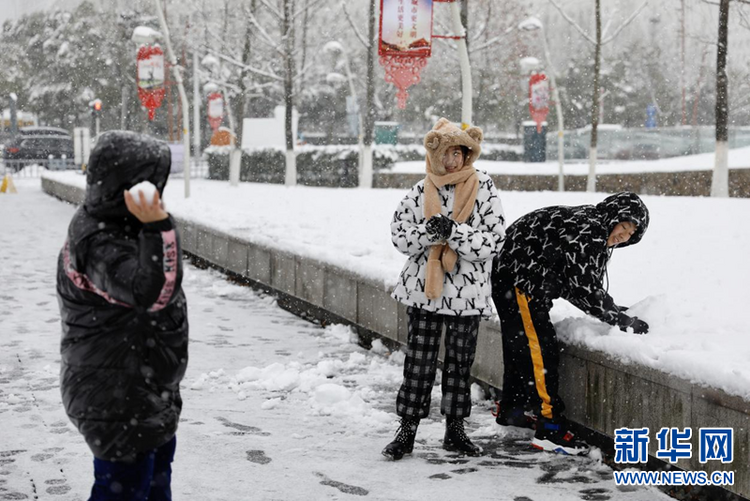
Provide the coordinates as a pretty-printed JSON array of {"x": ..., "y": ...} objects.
[{"x": 450, "y": 225}]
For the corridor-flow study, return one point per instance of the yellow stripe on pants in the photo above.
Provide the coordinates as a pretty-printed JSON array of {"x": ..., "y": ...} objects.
[{"x": 536, "y": 353}]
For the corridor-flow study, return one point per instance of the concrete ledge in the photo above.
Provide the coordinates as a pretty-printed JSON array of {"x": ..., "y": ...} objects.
[{"x": 601, "y": 393}]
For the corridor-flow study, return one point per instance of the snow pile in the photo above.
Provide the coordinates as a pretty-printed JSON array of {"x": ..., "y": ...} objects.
[{"x": 329, "y": 387}]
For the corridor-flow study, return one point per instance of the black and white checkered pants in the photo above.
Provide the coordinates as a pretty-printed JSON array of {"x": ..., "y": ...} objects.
[{"x": 420, "y": 366}]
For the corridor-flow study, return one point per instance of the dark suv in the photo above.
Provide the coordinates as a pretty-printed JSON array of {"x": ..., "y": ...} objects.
[{"x": 38, "y": 144}]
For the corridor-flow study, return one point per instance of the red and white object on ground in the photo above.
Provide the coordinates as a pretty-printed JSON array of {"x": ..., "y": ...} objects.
[
  {"x": 538, "y": 99},
  {"x": 215, "y": 110}
]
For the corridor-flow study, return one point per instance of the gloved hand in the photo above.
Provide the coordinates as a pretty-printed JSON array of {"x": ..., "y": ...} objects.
[
  {"x": 635, "y": 323},
  {"x": 439, "y": 228}
]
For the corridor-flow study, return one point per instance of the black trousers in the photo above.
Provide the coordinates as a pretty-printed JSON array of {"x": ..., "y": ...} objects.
[
  {"x": 531, "y": 353},
  {"x": 420, "y": 366}
]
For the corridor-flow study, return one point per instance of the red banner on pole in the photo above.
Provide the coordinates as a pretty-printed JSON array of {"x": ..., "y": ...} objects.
[
  {"x": 538, "y": 99},
  {"x": 405, "y": 42},
  {"x": 150, "y": 77},
  {"x": 215, "y": 110}
]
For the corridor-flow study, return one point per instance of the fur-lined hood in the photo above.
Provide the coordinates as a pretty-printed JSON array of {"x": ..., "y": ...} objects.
[{"x": 446, "y": 134}]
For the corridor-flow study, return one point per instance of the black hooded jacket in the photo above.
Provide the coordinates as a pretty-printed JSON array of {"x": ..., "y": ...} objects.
[
  {"x": 562, "y": 252},
  {"x": 124, "y": 315}
]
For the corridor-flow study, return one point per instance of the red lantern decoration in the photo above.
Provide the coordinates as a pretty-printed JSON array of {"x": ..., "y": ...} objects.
[
  {"x": 405, "y": 42},
  {"x": 538, "y": 99},
  {"x": 215, "y": 110},
  {"x": 150, "y": 77}
]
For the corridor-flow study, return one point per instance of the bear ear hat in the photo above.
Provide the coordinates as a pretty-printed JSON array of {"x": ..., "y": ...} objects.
[
  {"x": 475, "y": 133},
  {"x": 441, "y": 122},
  {"x": 432, "y": 140}
]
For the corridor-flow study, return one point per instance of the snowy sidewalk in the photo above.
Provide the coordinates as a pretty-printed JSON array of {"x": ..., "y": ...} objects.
[{"x": 275, "y": 408}]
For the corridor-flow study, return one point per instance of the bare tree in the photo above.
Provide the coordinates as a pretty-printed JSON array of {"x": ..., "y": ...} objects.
[
  {"x": 600, "y": 39},
  {"x": 368, "y": 122},
  {"x": 284, "y": 46},
  {"x": 720, "y": 180}
]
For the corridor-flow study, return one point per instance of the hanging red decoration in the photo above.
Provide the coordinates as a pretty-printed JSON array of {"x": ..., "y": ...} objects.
[
  {"x": 538, "y": 99},
  {"x": 405, "y": 42},
  {"x": 150, "y": 77}
]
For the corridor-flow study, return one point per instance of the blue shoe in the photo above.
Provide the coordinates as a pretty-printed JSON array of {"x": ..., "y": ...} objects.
[{"x": 554, "y": 436}]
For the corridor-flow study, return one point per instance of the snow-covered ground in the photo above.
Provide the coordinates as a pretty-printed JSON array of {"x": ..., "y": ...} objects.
[
  {"x": 275, "y": 408},
  {"x": 688, "y": 277},
  {"x": 739, "y": 158}
]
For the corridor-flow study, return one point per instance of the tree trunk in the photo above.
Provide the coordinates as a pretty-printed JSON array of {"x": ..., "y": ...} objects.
[
  {"x": 720, "y": 182},
  {"x": 291, "y": 164},
  {"x": 305, "y": 23},
  {"x": 241, "y": 104},
  {"x": 369, "y": 124},
  {"x": 591, "y": 182},
  {"x": 366, "y": 171}
]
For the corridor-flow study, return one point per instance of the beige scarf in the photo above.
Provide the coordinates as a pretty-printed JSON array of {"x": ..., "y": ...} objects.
[{"x": 442, "y": 259}]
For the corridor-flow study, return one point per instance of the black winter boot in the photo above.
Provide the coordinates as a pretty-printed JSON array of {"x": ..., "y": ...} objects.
[
  {"x": 404, "y": 441},
  {"x": 514, "y": 416},
  {"x": 456, "y": 439}
]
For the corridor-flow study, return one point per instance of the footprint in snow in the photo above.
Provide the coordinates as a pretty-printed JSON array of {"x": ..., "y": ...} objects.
[
  {"x": 345, "y": 488},
  {"x": 258, "y": 457}
]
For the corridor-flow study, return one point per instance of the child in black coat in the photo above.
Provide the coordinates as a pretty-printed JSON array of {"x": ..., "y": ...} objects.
[{"x": 124, "y": 320}]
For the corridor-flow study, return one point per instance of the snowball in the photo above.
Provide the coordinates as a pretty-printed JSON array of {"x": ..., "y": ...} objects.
[{"x": 144, "y": 187}]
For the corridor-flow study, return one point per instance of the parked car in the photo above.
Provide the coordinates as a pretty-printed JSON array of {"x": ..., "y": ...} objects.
[
  {"x": 39, "y": 148},
  {"x": 42, "y": 131}
]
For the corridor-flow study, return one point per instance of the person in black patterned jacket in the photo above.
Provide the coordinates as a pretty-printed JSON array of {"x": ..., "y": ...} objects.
[{"x": 556, "y": 252}]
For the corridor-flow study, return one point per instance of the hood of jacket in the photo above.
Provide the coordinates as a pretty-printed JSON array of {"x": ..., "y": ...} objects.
[
  {"x": 625, "y": 206},
  {"x": 120, "y": 160},
  {"x": 446, "y": 134}
]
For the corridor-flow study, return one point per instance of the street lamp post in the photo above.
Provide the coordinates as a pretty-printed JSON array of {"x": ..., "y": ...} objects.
[
  {"x": 365, "y": 157},
  {"x": 177, "y": 70},
  {"x": 533, "y": 24}
]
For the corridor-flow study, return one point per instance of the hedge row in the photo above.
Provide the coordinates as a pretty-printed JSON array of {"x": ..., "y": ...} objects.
[
  {"x": 327, "y": 165},
  {"x": 316, "y": 166}
]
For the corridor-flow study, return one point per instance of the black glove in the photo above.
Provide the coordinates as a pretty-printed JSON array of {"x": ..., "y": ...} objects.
[
  {"x": 439, "y": 228},
  {"x": 635, "y": 323}
]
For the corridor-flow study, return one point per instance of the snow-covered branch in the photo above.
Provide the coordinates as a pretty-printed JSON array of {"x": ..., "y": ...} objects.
[
  {"x": 264, "y": 36},
  {"x": 744, "y": 21},
  {"x": 244, "y": 66},
  {"x": 276, "y": 13},
  {"x": 310, "y": 5},
  {"x": 572, "y": 22},
  {"x": 489, "y": 43},
  {"x": 361, "y": 38},
  {"x": 486, "y": 23},
  {"x": 626, "y": 23}
]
